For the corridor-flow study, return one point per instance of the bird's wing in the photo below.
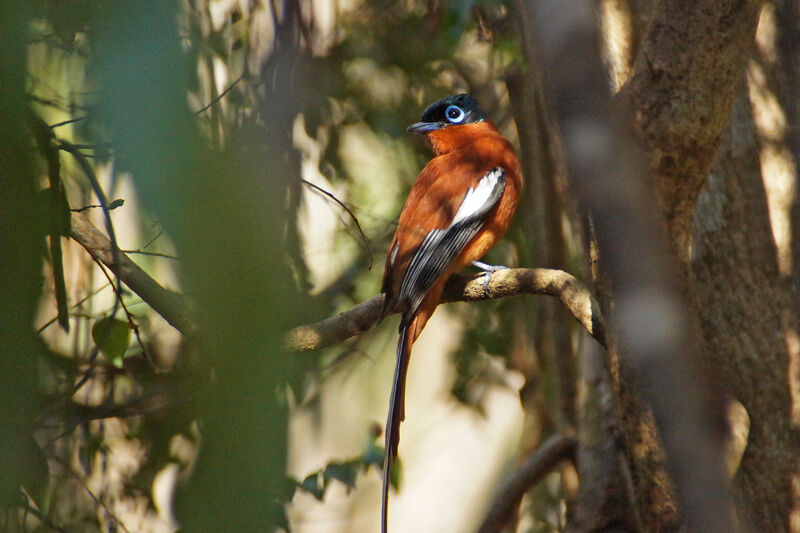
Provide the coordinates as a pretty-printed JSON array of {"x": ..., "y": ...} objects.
[{"x": 440, "y": 247}]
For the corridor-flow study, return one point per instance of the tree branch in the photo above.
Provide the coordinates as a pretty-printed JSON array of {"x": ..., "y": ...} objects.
[
  {"x": 170, "y": 305},
  {"x": 541, "y": 462},
  {"x": 462, "y": 288}
]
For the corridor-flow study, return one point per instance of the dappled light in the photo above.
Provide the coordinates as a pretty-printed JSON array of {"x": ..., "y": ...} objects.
[{"x": 200, "y": 198}]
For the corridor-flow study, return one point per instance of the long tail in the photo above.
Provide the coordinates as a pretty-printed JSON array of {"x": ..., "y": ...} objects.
[{"x": 397, "y": 411}]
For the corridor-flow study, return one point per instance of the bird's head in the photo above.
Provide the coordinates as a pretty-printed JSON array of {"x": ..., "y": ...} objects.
[
  {"x": 454, "y": 110},
  {"x": 453, "y": 122}
]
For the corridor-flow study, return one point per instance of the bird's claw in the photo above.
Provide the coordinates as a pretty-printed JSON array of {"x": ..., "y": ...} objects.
[{"x": 488, "y": 270}]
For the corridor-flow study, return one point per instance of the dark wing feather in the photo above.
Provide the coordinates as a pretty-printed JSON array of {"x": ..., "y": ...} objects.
[{"x": 441, "y": 246}]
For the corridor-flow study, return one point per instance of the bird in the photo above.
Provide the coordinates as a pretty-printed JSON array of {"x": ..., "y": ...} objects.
[{"x": 459, "y": 207}]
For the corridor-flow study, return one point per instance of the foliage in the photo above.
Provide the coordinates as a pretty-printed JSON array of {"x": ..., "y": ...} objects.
[
  {"x": 105, "y": 98},
  {"x": 251, "y": 158}
]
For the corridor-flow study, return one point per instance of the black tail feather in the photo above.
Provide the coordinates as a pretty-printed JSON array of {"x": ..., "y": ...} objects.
[{"x": 396, "y": 414}]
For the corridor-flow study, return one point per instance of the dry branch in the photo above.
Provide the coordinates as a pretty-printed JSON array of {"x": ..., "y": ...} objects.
[
  {"x": 168, "y": 304},
  {"x": 553, "y": 451},
  {"x": 360, "y": 318},
  {"x": 461, "y": 288}
]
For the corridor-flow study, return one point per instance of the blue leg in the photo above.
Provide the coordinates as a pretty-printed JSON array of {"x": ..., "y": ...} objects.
[{"x": 487, "y": 270}]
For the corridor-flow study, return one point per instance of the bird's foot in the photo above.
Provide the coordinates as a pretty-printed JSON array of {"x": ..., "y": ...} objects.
[{"x": 487, "y": 271}]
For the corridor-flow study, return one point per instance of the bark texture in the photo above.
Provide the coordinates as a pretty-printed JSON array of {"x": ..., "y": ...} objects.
[
  {"x": 685, "y": 80},
  {"x": 652, "y": 324},
  {"x": 683, "y": 85},
  {"x": 747, "y": 321}
]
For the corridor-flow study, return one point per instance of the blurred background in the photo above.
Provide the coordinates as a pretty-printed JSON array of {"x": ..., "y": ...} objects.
[
  {"x": 214, "y": 130},
  {"x": 250, "y": 156}
]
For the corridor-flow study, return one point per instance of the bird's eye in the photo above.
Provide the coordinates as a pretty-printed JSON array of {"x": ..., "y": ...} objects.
[{"x": 454, "y": 114}]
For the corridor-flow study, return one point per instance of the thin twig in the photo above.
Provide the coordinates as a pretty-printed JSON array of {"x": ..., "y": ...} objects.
[
  {"x": 152, "y": 254},
  {"x": 75, "y": 306},
  {"x": 85, "y": 208},
  {"x": 151, "y": 241},
  {"x": 295, "y": 5},
  {"x": 94, "y": 146},
  {"x": 101, "y": 196},
  {"x": 94, "y": 206},
  {"x": 170, "y": 305},
  {"x": 349, "y": 212},
  {"x": 88, "y": 156},
  {"x": 220, "y": 96},
  {"x": 131, "y": 319},
  {"x": 87, "y": 374},
  {"x": 553, "y": 451},
  {"x": 92, "y": 495},
  {"x": 71, "y": 414},
  {"x": 65, "y": 122}
]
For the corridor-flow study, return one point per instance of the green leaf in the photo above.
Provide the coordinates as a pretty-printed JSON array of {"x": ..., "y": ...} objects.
[
  {"x": 115, "y": 204},
  {"x": 312, "y": 485},
  {"x": 373, "y": 456},
  {"x": 343, "y": 472},
  {"x": 111, "y": 336}
]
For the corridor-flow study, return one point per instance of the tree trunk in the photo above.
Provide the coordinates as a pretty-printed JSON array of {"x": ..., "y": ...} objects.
[{"x": 747, "y": 321}]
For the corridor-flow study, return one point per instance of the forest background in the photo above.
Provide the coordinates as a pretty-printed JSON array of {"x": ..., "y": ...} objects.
[{"x": 185, "y": 182}]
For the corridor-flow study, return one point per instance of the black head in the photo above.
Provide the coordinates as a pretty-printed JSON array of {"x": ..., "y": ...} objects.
[{"x": 451, "y": 111}]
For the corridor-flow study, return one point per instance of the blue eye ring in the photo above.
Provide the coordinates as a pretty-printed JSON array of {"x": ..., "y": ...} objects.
[{"x": 454, "y": 114}]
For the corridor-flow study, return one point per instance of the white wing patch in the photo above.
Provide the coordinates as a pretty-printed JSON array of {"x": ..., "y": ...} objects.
[
  {"x": 477, "y": 197},
  {"x": 440, "y": 247}
]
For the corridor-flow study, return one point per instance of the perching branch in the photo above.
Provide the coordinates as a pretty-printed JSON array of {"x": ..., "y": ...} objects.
[
  {"x": 509, "y": 282},
  {"x": 362, "y": 317}
]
